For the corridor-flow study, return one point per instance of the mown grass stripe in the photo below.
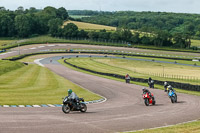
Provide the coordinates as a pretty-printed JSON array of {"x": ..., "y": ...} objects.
[{"x": 35, "y": 85}]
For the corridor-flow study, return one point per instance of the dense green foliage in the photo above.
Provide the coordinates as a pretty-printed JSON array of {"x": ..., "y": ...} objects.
[
  {"x": 30, "y": 22},
  {"x": 149, "y": 21},
  {"x": 168, "y": 29}
]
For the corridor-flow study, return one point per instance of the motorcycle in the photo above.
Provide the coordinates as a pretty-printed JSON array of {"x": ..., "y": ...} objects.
[
  {"x": 127, "y": 81},
  {"x": 149, "y": 100},
  {"x": 70, "y": 105},
  {"x": 151, "y": 84},
  {"x": 172, "y": 95}
]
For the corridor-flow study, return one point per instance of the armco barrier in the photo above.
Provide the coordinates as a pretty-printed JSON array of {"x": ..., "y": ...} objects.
[
  {"x": 183, "y": 86},
  {"x": 95, "y": 52}
]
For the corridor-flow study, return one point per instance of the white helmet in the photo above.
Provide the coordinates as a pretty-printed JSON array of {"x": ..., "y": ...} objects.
[{"x": 170, "y": 87}]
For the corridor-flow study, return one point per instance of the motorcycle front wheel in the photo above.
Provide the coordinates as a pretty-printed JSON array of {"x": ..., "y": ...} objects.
[
  {"x": 65, "y": 108},
  {"x": 173, "y": 99},
  {"x": 83, "y": 107},
  {"x": 146, "y": 101}
]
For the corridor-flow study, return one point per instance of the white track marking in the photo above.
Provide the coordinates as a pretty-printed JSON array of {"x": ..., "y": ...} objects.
[
  {"x": 21, "y": 106},
  {"x": 41, "y": 46},
  {"x": 33, "y": 48},
  {"x": 36, "y": 106},
  {"x": 37, "y": 61},
  {"x": 50, "y": 105},
  {"x": 51, "y": 45}
]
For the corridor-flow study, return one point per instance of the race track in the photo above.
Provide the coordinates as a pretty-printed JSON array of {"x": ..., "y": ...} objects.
[{"x": 124, "y": 109}]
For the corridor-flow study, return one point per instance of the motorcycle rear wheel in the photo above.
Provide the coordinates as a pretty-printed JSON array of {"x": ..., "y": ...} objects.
[{"x": 66, "y": 108}]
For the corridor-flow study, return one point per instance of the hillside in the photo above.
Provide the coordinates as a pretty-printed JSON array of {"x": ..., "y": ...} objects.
[{"x": 89, "y": 26}]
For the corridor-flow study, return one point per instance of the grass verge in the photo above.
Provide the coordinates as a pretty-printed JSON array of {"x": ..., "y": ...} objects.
[
  {"x": 193, "y": 127},
  {"x": 7, "y": 66},
  {"x": 33, "y": 84},
  {"x": 121, "y": 80},
  {"x": 140, "y": 69}
]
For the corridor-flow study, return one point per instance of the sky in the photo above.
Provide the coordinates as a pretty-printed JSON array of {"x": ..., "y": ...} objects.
[{"x": 178, "y": 6}]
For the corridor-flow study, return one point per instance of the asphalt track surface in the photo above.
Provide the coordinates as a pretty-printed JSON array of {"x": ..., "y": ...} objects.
[{"x": 124, "y": 109}]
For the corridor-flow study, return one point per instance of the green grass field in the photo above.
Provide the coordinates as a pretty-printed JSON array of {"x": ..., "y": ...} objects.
[
  {"x": 167, "y": 60},
  {"x": 89, "y": 26},
  {"x": 195, "y": 43},
  {"x": 139, "y": 69},
  {"x": 4, "y": 43},
  {"x": 33, "y": 84},
  {"x": 7, "y": 66},
  {"x": 193, "y": 127},
  {"x": 78, "y": 16}
]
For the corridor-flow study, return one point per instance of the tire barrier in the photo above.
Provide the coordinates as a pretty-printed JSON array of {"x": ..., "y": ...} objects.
[
  {"x": 93, "y": 52},
  {"x": 183, "y": 86}
]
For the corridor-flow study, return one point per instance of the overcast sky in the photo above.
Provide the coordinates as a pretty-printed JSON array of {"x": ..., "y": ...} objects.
[{"x": 184, "y": 6}]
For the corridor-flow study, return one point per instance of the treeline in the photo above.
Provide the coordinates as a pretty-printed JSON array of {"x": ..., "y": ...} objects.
[
  {"x": 30, "y": 22},
  {"x": 159, "y": 38},
  {"x": 149, "y": 21}
]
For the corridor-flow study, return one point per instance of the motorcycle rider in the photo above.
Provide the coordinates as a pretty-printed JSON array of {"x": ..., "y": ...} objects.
[
  {"x": 146, "y": 91},
  {"x": 170, "y": 88},
  {"x": 127, "y": 78},
  {"x": 165, "y": 86},
  {"x": 74, "y": 98},
  {"x": 149, "y": 80},
  {"x": 150, "y": 83}
]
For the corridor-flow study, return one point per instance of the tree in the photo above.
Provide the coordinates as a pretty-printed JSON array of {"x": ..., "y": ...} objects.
[
  {"x": 115, "y": 36},
  {"x": 162, "y": 38},
  {"x": 20, "y": 10},
  {"x": 55, "y": 26},
  {"x": 62, "y": 13},
  {"x": 6, "y": 26},
  {"x": 182, "y": 40},
  {"x": 126, "y": 34},
  {"x": 93, "y": 35},
  {"x": 70, "y": 30},
  {"x": 104, "y": 35},
  {"x": 135, "y": 38},
  {"x": 146, "y": 40},
  {"x": 2, "y": 9},
  {"x": 50, "y": 12},
  {"x": 82, "y": 34},
  {"x": 22, "y": 25}
]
